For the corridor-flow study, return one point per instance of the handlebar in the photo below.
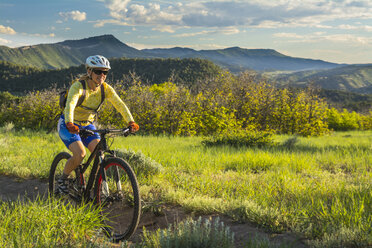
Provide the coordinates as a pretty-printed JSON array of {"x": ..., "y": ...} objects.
[{"x": 125, "y": 131}]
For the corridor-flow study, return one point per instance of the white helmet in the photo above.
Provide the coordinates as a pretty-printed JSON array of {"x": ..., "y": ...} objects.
[{"x": 97, "y": 61}]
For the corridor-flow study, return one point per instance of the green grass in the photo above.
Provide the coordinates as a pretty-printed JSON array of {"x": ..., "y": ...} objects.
[
  {"x": 319, "y": 187},
  {"x": 48, "y": 223}
]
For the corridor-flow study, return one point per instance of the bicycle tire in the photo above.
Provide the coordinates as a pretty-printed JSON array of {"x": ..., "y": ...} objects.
[
  {"x": 121, "y": 205},
  {"x": 56, "y": 171}
]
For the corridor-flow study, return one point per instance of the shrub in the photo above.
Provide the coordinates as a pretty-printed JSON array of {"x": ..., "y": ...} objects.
[
  {"x": 143, "y": 166},
  {"x": 35, "y": 110},
  {"x": 191, "y": 234},
  {"x": 343, "y": 121}
]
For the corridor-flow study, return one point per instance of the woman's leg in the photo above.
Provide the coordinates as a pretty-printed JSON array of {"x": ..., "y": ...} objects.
[
  {"x": 92, "y": 145},
  {"x": 78, "y": 153}
]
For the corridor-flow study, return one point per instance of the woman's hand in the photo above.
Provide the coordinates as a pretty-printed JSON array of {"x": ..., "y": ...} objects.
[
  {"x": 133, "y": 126},
  {"x": 72, "y": 128}
]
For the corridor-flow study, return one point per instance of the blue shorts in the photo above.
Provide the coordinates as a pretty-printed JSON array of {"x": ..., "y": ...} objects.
[{"x": 68, "y": 138}]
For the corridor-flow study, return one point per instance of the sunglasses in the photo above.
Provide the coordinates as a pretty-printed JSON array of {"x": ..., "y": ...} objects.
[{"x": 99, "y": 72}]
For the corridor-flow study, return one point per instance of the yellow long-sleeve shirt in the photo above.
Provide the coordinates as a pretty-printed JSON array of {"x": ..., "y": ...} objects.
[{"x": 92, "y": 100}]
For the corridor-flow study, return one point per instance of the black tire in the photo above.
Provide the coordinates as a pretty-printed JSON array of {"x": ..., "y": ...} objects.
[
  {"x": 121, "y": 206},
  {"x": 56, "y": 171}
]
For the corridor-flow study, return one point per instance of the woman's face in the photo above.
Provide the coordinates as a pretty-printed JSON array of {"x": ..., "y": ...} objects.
[{"x": 99, "y": 75}]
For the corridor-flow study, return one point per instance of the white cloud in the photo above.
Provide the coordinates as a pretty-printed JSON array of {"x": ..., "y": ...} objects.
[
  {"x": 195, "y": 47},
  {"x": 194, "y": 34},
  {"x": 6, "y": 30},
  {"x": 349, "y": 39},
  {"x": 226, "y": 31},
  {"x": 75, "y": 15},
  {"x": 101, "y": 23},
  {"x": 164, "y": 29},
  {"x": 4, "y": 41},
  {"x": 239, "y": 13},
  {"x": 367, "y": 28},
  {"x": 117, "y": 8}
]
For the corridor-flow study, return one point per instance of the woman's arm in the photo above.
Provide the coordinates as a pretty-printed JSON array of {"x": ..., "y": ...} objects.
[
  {"x": 119, "y": 105},
  {"x": 74, "y": 93}
]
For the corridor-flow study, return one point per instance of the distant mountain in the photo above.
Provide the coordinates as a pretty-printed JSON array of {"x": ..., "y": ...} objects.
[
  {"x": 67, "y": 53},
  {"x": 237, "y": 59},
  {"x": 355, "y": 78},
  {"x": 106, "y": 45},
  {"x": 74, "y": 52}
]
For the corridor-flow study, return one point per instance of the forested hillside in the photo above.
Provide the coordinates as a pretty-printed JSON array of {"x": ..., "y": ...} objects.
[
  {"x": 18, "y": 79},
  {"x": 361, "y": 103},
  {"x": 355, "y": 78}
]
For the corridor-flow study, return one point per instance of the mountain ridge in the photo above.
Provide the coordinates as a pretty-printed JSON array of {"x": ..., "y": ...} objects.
[
  {"x": 73, "y": 53},
  {"x": 297, "y": 72}
]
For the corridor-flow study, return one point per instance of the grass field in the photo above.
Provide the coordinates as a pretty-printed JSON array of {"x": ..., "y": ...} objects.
[{"x": 318, "y": 187}]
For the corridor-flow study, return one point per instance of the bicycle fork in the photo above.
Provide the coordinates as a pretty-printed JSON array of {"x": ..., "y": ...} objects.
[{"x": 105, "y": 186}]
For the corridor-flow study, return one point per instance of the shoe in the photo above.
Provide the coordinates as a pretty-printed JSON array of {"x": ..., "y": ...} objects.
[{"x": 63, "y": 184}]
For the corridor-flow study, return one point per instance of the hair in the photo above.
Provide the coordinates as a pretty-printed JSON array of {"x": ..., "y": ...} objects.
[{"x": 84, "y": 77}]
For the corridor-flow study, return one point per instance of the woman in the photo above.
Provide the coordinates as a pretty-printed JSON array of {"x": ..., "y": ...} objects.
[{"x": 82, "y": 115}]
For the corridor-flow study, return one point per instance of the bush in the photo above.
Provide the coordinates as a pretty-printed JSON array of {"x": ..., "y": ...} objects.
[
  {"x": 343, "y": 121},
  {"x": 222, "y": 104},
  {"x": 35, "y": 110},
  {"x": 190, "y": 234},
  {"x": 143, "y": 166}
]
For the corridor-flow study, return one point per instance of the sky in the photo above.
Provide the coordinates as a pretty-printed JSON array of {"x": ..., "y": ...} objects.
[{"x": 338, "y": 31}]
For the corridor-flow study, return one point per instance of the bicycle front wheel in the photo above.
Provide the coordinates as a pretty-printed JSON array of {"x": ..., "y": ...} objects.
[{"x": 117, "y": 192}]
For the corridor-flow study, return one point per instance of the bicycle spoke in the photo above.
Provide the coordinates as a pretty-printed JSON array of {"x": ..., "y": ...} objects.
[{"x": 121, "y": 206}]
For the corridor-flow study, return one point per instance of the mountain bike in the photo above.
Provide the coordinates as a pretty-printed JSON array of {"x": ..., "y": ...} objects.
[{"x": 111, "y": 184}]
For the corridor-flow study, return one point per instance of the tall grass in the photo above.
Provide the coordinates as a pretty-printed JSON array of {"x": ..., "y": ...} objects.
[
  {"x": 47, "y": 223},
  {"x": 317, "y": 186}
]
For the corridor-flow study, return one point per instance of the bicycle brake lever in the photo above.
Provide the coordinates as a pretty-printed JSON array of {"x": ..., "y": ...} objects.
[
  {"x": 85, "y": 133},
  {"x": 126, "y": 132}
]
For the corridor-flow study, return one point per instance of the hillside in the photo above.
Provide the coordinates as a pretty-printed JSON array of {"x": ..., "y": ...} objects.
[
  {"x": 282, "y": 69},
  {"x": 354, "y": 78},
  {"x": 67, "y": 53},
  {"x": 19, "y": 79},
  {"x": 237, "y": 59},
  {"x": 73, "y": 52},
  {"x": 361, "y": 103}
]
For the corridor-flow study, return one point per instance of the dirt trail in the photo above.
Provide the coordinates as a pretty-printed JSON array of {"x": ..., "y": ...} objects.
[{"x": 14, "y": 188}]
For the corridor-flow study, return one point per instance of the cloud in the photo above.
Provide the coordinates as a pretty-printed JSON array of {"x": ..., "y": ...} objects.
[
  {"x": 164, "y": 29},
  {"x": 367, "y": 28},
  {"x": 6, "y": 30},
  {"x": 4, "y": 41},
  {"x": 118, "y": 8},
  {"x": 192, "y": 46},
  {"x": 226, "y": 31},
  {"x": 75, "y": 15},
  {"x": 353, "y": 40},
  {"x": 238, "y": 13}
]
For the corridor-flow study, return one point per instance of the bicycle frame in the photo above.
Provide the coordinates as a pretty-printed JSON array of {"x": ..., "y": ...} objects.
[{"x": 98, "y": 156}]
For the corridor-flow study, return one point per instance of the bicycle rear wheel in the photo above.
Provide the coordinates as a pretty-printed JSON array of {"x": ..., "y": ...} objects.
[
  {"x": 117, "y": 192},
  {"x": 76, "y": 179}
]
